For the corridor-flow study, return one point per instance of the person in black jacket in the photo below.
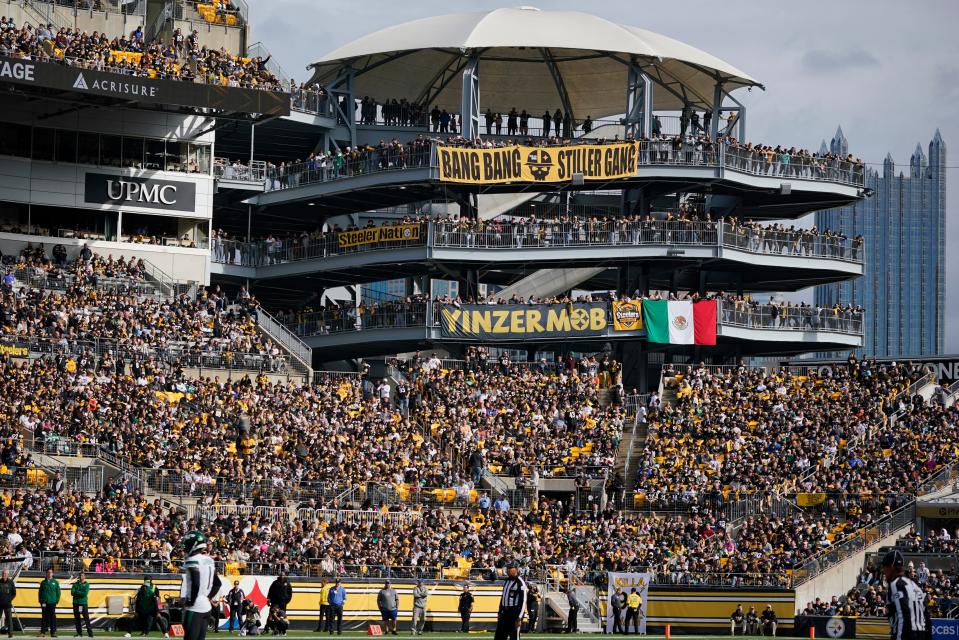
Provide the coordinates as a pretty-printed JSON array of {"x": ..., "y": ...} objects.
[
  {"x": 234, "y": 599},
  {"x": 618, "y": 604},
  {"x": 532, "y": 608},
  {"x": 465, "y": 608},
  {"x": 280, "y": 593},
  {"x": 572, "y": 619},
  {"x": 8, "y": 591}
]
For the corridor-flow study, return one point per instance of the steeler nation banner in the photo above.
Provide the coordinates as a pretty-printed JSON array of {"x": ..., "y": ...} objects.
[
  {"x": 627, "y": 582},
  {"x": 520, "y": 322},
  {"x": 372, "y": 235},
  {"x": 537, "y": 164}
]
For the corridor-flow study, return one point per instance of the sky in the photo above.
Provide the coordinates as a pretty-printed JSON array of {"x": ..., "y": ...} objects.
[{"x": 887, "y": 71}]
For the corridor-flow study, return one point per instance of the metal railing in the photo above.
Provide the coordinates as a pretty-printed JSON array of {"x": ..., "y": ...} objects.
[
  {"x": 789, "y": 318},
  {"x": 224, "y": 169},
  {"x": 785, "y": 165},
  {"x": 634, "y": 401},
  {"x": 269, "y": 252},
  {"x": 302, "y": 354},
  {"x": 241, "y": 12},
  {"x": 659, "y": 152},
  {"x": 905, "y": 396},
  {"x": 817, "y": 564},
  {"x": 945, "y": 477},
  {"x": 108, "y": 284},
  {"x": 396, "y": 315},
  {"x": 172, "y": 354},
  {"x": 388, "y": 316},
  {"x": 365, "y": 162},
  {"x": 344, "y": 516},
  {"x": 548, "y": 234},
  {"x": 313, "y": 101},
  {"x": 260, "y": 50}
]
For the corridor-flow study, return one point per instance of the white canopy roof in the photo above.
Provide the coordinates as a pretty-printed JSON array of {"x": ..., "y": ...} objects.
[{"x": 528, "y": 58}]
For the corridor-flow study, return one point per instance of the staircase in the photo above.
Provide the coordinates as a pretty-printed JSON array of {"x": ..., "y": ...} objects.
[
  {"x": 629, "y": 454},
  {"x": 588, "y": 619},
  {"x": 38, "y": 13},
  {"x": 301, "y": 355},
  {"x": 837, "y": 569}
]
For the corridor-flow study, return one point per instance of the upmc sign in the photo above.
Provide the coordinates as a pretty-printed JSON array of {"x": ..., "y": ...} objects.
[
  {"x": 943, "y": 629},
  {"x": 146, "y": 91},
  {"x": 148, "y": 193}
]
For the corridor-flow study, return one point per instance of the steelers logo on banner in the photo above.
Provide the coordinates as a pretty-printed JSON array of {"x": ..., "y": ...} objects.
[
  {"x": 539, "y": 161},
  {"x": 835, "y": 627},
  {"x": 627, "y": 316}
]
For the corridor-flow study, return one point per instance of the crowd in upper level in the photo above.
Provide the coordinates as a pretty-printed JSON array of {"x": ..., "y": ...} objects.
[
  {"x": 181, "y": 57},
  {"x": 683, "y": 227}
]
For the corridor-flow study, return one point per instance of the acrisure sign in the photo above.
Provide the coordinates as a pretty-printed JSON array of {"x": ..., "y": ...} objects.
[{"x": 142, "y": 89}]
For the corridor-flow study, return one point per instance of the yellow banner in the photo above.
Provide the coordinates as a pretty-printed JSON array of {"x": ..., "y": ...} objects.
[
  {"x": 372, "y": 235},
  {"x": 628, "y": 316},
  {"x": 810, "y": 499},
  {"x": 11, "y": 350},
  {"x": 519, "y": 163}
]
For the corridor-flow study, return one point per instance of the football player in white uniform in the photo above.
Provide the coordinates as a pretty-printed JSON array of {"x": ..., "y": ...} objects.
[{"x": 200, "y": 586}]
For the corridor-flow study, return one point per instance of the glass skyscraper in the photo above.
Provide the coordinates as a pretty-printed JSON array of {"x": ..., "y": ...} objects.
[{"x": 903, "y": 224}]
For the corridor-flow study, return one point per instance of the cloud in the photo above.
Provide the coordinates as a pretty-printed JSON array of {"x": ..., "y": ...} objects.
[{"x": 832, "y": 61}]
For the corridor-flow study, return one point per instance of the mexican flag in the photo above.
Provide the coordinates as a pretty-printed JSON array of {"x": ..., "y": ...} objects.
[{"x": 680, "y": 321}]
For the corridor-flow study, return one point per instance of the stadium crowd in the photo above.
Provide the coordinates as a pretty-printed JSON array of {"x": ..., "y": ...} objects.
[
  {"x": 180, "y": 58},
  {"x": 93, "y": 306},
  {"x": 395, "y": 154},
  {"x": 869, "y": 596},
  {"x": 118, "y": 529},
  {"x": 683, "y": 227},
  {"x": 489, "y": 415},
  {"x": 744, "y": 429}
]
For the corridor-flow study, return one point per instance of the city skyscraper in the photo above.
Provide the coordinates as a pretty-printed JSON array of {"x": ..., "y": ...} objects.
[{"x": 903, "y": 225}]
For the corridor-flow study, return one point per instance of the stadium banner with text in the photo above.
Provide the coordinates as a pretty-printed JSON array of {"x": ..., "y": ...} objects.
[
  {"x": 16, "y": 351},
  {"x": 518, "y": 163},
  {"x": 810, "y": 499},
  {"x": 628, "y": 316},
  {"x": 373, "y": 235},
  {"x": 520, "y": 322},
  {"x": 143, "y": 90},
  {"x": 945, "y": 629},
  {"x": 627, "y": 581}
]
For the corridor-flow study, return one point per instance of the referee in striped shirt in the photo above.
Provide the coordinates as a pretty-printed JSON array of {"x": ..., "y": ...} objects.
[
  {"x": 906, "y": 606},
  {"x": 512, "y": 605}
]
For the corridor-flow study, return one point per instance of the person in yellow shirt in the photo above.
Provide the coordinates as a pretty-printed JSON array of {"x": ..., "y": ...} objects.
[
  {"x": 324, "y": 608},
  {"x": 634, "y": 602}
]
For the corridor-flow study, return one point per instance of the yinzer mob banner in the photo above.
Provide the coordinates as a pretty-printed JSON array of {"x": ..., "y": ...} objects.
[
  {"x": 523, "y": 321},
  {"x": 537, "y": 164},
  {"x": 372, "y": 235}
]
